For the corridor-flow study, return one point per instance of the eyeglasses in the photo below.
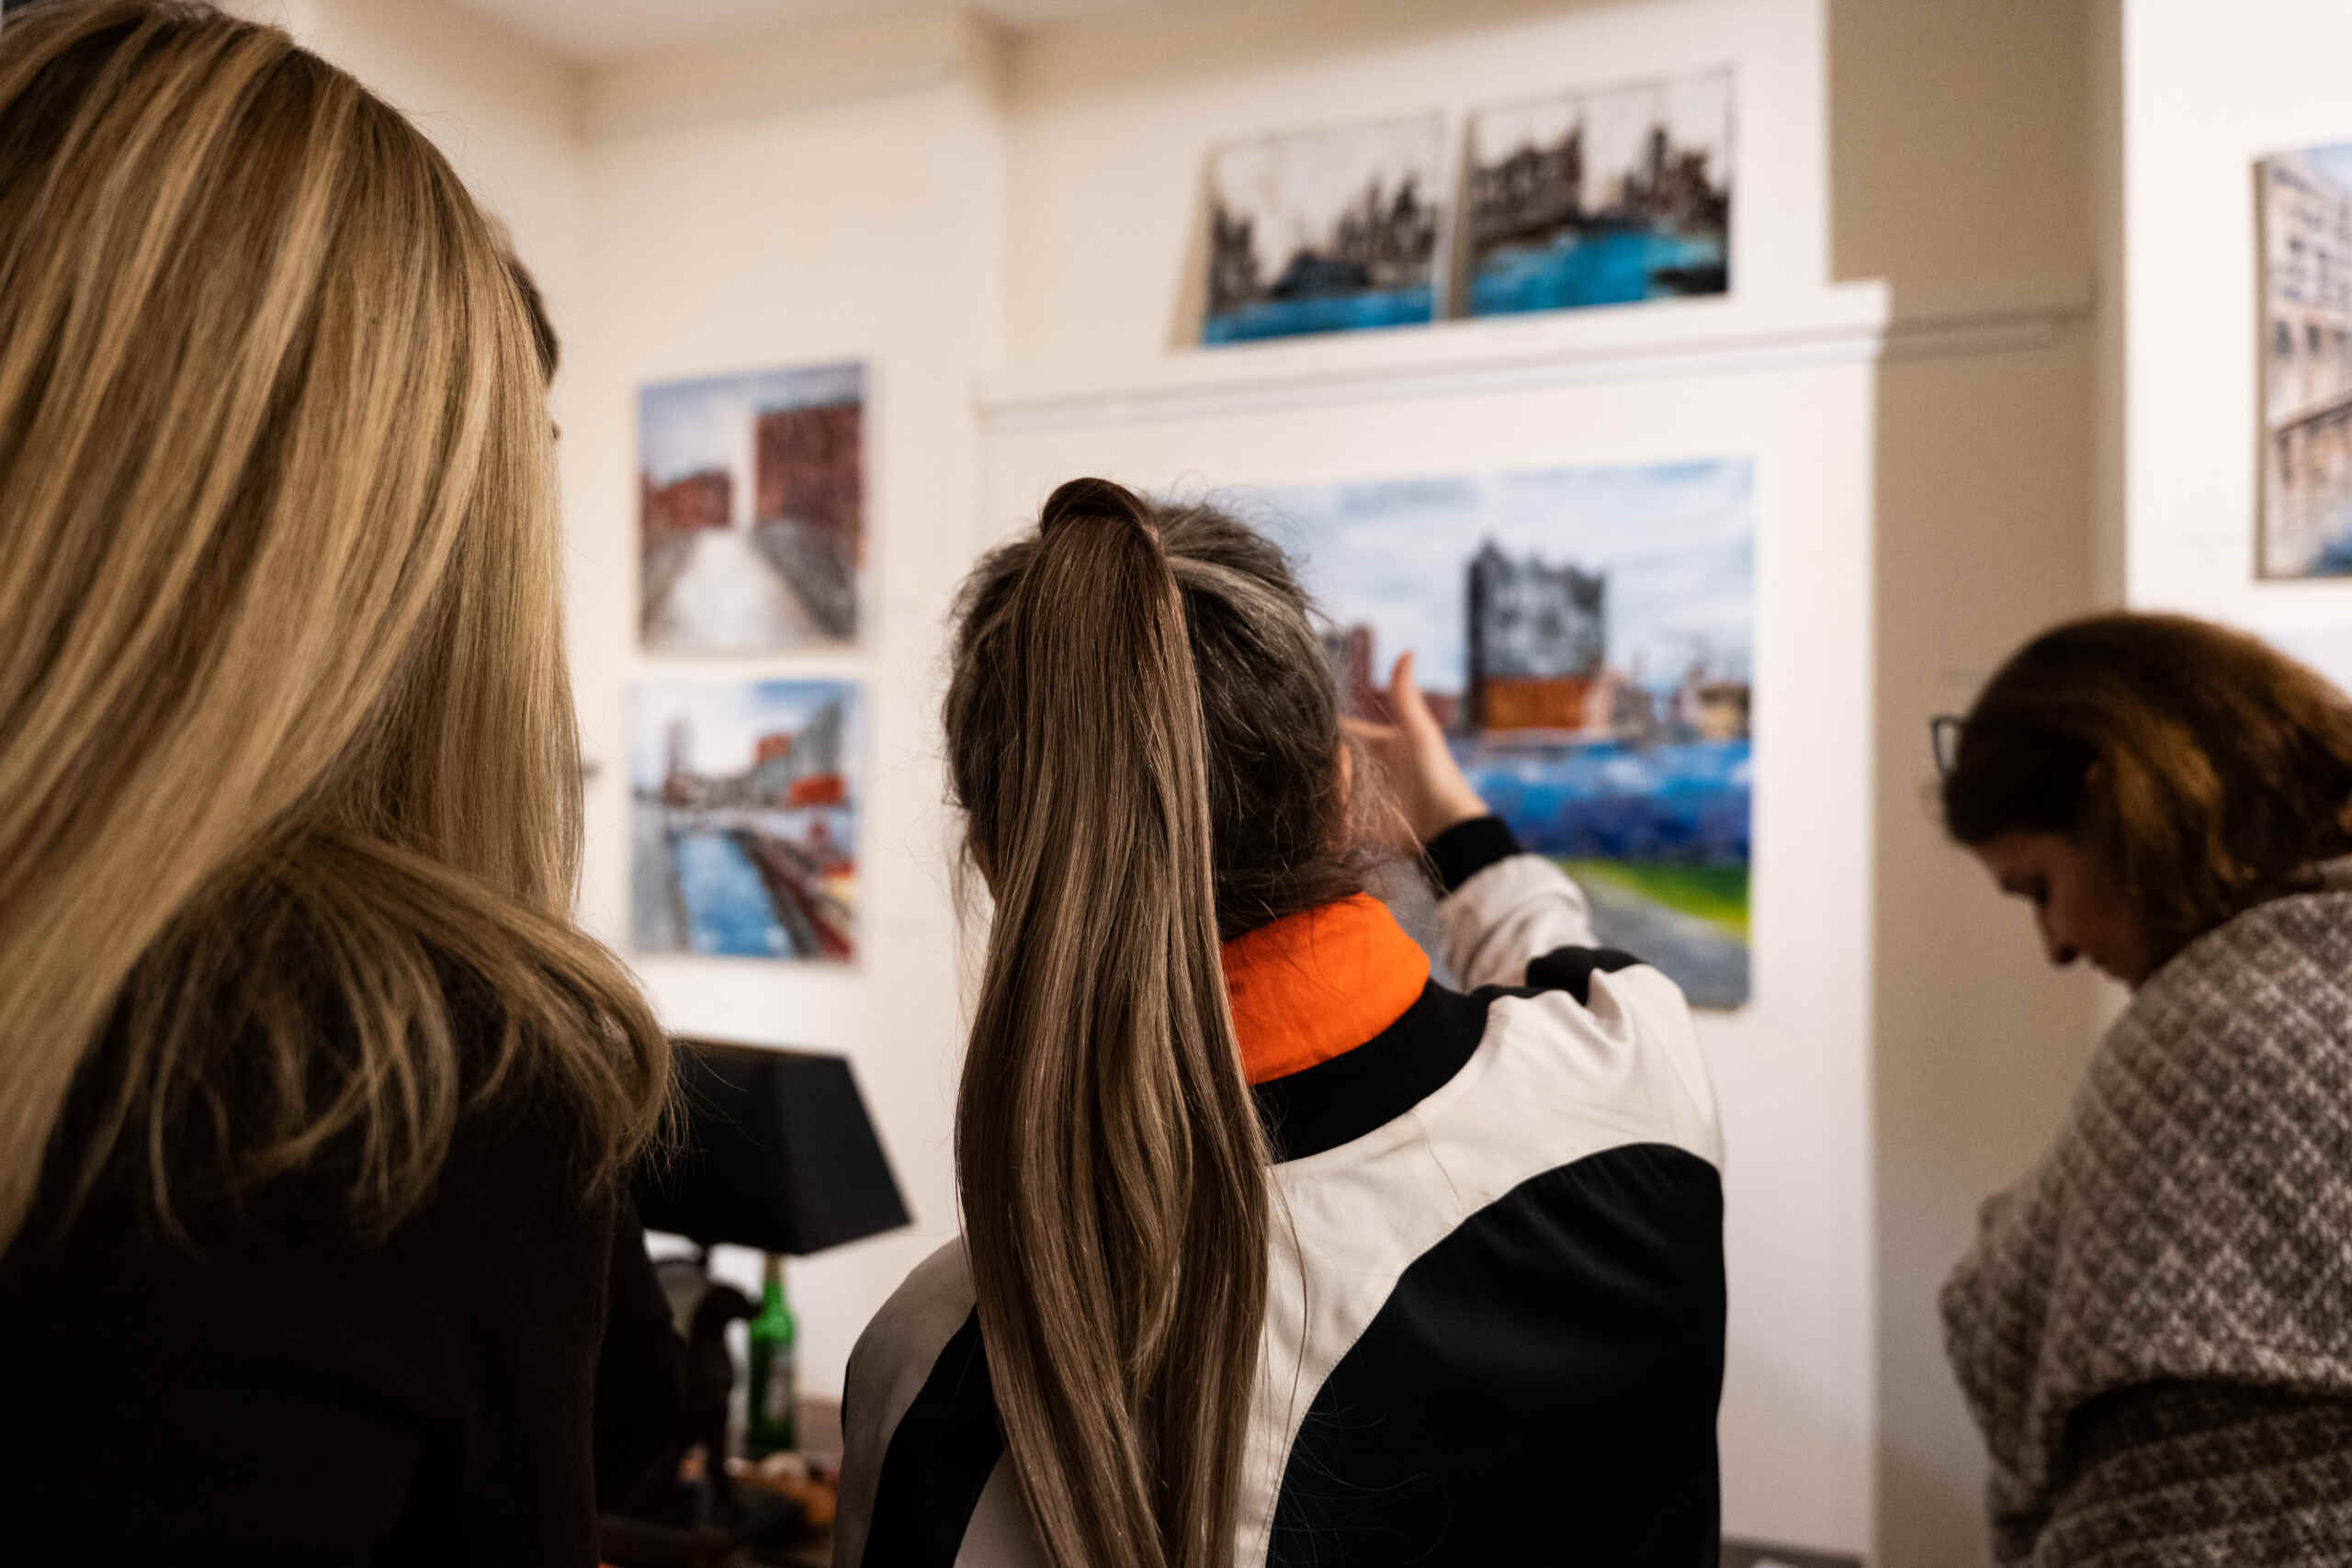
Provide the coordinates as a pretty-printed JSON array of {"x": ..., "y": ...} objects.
[{"x": 1943, "y": 740}]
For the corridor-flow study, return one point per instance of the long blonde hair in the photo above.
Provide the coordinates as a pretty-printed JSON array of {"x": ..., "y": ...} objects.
[
  {"x": 290, "y": 781},
  {"x": 1144, "y": 733}
]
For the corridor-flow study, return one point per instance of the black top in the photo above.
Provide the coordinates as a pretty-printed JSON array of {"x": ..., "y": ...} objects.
[
  {"x": 1494, "y": 1330},
  {"x": 288, "y": 1393}
]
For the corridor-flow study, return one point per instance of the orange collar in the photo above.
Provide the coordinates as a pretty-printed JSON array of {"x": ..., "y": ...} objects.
[{"x": 1318, "y": 984}]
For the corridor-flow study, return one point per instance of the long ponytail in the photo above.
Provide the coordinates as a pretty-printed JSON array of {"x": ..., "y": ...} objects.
[{"x": 1111, "y": 1164}]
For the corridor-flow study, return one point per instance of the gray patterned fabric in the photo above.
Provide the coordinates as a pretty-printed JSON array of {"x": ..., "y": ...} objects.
[{"x": 2154, "y": 1327}]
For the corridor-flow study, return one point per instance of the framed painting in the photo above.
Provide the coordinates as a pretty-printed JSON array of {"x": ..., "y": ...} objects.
[
  {"x": 752, "y": 510},
  {"x": 1603, "y": 198},
  {"x": 1586, "y": 637},
  {"x": 1325, "y": 231},
  {"x": 745, "y": 801},
  {"x": 2304, "y": 202}
]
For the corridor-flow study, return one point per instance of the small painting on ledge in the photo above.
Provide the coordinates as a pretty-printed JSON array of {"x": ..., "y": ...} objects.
[
  {"x": 1325, "y": 231},
  {"x": 1605, "y": 197}
]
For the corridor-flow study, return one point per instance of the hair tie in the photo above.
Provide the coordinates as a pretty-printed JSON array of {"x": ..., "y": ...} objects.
[{"x": 1080, "y": 500}]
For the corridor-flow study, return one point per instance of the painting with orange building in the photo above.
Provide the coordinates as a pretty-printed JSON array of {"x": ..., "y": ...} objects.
[{"x": 1585, "y": 636}]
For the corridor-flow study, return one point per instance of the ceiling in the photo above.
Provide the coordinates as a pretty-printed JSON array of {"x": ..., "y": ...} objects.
[{"x": 595, "y": 32}]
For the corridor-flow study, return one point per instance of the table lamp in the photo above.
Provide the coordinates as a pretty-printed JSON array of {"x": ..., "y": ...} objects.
[{"x": 776, "y": 1152}]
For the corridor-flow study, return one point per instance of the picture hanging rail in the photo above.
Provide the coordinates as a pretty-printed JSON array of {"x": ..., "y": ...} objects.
[
  {"x": 1604, "y": 197},
  {"x": 752, "y": 510}
]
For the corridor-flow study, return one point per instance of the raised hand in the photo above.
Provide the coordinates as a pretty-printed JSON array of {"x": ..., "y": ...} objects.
[{"x": 1418, "y": 768}]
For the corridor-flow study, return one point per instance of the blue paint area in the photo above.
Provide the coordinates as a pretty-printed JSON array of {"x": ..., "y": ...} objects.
[
  {"x": 2335, "y": 558},
  {"x": 727, "y": 908},
  {"x": 1617, "y": 266},
  {"x": 1322, "y": 313},
  {"x": 1685, "y": 802}
]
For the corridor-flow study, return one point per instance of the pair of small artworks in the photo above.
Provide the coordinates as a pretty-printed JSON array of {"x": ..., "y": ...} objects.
[
  {"x": 1602, "y": 197},
  {"x": 744, "y": 794}
]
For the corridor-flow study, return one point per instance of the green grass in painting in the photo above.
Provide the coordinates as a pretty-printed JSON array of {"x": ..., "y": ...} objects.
[{"x": 1716, "y": 894}]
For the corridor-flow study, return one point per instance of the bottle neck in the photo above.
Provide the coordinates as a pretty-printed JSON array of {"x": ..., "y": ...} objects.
[{"x": 772, "y": 1302}]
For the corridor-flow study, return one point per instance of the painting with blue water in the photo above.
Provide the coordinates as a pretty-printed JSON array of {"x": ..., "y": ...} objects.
[
  {"x": 1602, "y": 197},
  {"x": 1324, "y": 231},
  {"x": 1586, "y": 636},
  {"x": 744, "y": 803},
  {"x": 2304, "y": 215}
]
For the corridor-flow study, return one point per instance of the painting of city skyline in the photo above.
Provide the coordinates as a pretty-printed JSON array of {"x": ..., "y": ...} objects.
[
  {"x": 743, "y": 800},
  {"x": 1325, "y": 231},
  {"x": 1586, "y": 636},
  {"x": 2305, "y": 221},
  {"x": 1603, "y": 198},
  {"x": 752, "y": 510}
]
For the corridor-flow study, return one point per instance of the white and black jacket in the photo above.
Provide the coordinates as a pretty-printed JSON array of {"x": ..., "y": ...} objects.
[{"x": 1495, "y": 1324}]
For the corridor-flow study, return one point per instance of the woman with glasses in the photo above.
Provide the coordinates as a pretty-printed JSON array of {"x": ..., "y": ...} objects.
[{"x": 2154, "y": 1327}]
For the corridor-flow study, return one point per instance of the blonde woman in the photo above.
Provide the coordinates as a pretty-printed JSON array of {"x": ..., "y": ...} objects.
[
  {"x": 314, "y": 1103},
  {"x": 1276, "y": 1252}
]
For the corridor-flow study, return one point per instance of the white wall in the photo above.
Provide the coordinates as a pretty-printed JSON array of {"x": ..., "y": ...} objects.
[
  {"x": 1790, "y": 1066},
  {"x": 677, "y": 234},
  {"x": 2199, "y": 103},
  {"x": 1108, "y": 131},
  {"x": 1982, "y": 504},
  {"x": 1926, "y": 513},
  {"x": 865, "y": 229},
  {"x": 1911, "y": 185},
  {"x": 1959, "y": 172}
]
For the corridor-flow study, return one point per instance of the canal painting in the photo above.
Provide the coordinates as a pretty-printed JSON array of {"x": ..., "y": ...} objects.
[
  {"x": 1325, "y": 231},
  {"x": 752, "y": 510},
  {"x": 743, "y": 801},
  {"x": 1605, "y": 197},
  {"x": 1586, "y": 637},
  {"x": 2305, "y": 218}
]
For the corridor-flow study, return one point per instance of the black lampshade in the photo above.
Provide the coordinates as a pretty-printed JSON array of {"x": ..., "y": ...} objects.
[{"x": 778, "y": 1154}]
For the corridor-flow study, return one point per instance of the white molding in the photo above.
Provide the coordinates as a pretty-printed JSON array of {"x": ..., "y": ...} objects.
[{"x": 1848, "y": 323}]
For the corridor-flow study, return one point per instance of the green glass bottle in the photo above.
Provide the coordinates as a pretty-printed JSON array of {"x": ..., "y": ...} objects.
[{"x": 767, "y": 1427}]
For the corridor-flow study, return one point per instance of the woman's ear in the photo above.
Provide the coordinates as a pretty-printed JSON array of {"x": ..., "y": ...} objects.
[{"x": 1346, "y": 766}]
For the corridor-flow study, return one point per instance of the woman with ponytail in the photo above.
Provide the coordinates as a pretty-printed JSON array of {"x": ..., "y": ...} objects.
[
  {"x": 315, "y": 1106},
  {"x": 1274, "y": 1250}
]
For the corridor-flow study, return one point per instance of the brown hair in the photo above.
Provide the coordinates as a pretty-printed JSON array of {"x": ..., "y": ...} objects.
[
  {"x": 2204, "y": 767},
  {"x": 290, "y": 803},
  {"x": 1143, "y": 732}
]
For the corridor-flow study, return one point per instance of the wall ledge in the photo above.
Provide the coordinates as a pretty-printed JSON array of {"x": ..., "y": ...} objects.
[{"x": 1845, "y": 323}]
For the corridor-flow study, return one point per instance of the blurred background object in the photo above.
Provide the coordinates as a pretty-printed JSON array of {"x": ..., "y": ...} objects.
[{"x": 776, "y": 1153}]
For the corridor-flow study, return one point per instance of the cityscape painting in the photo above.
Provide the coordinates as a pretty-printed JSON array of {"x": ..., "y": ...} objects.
[
  {"x": 744, "y": 802},
  {"x": 1586, "y": 637},
  {"x": 752, "y": 510},
  {"x": 2305, "y": 217},
  {"x": 1325, "y": 231},
  {"x": 1605, "y": 197}
]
